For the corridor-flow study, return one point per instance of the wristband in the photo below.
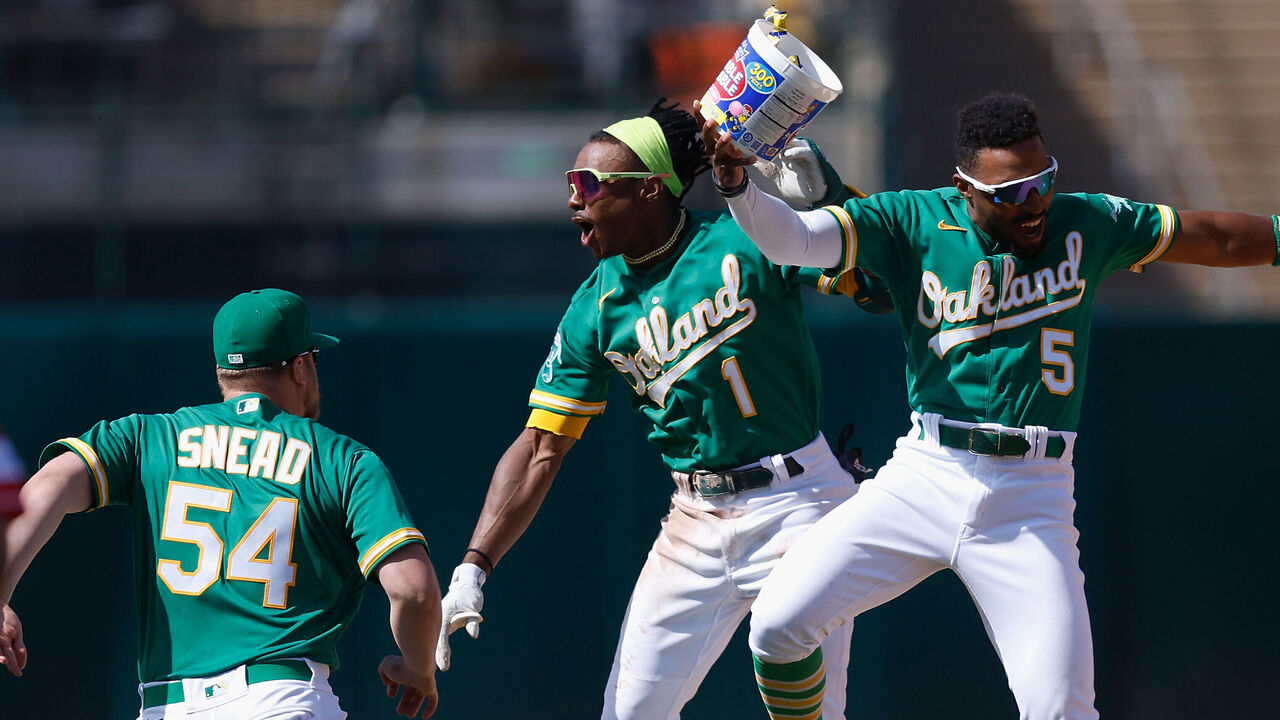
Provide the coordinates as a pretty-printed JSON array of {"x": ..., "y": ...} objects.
[
  {"x": 731, "y": 192},
  {"x": 484, "y": 557},
  {"x": 1275, "y": 226}
]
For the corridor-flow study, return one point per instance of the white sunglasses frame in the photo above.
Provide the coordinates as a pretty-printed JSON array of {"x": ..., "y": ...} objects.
[{"x": 990, "y": 190}]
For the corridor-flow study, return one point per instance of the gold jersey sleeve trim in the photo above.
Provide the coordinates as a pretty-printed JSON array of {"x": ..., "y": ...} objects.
[
  {"x": 850, "y": 232},
  {"x": 1167, "y": 225},
  {"x": 559, "y": 403},
  {"x": 383, "y": 547},
  {"x": 91, "y": 460},
  {"x": 567, "y": 425}
]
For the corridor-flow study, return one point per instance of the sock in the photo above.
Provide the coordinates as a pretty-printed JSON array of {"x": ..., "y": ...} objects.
[{"x": 793, "y": 691}]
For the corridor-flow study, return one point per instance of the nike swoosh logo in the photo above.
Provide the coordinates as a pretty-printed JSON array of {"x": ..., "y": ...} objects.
[
  {"x": 942, "y": 225},
  {"x": 600, "y": 304}
]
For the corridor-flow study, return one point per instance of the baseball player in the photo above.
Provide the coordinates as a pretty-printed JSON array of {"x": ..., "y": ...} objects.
[
  {"x": 993, "y": 279},
  {"x": 256, "y": 530},
  {"x": 711, "y": 339}
]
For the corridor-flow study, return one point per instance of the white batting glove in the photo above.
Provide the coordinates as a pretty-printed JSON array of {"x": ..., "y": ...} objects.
[
  {"x": 796, "y": 175},
  {"x": 461, "y": 606}
]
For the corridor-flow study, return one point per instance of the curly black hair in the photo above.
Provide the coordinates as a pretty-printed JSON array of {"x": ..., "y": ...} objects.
[
  {"x": 684, "y": 139},
  {"x": 995, "y": 120}
]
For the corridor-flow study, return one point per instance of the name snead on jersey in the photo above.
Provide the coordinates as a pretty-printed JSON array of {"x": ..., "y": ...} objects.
[{"x": 244, "y": 451}]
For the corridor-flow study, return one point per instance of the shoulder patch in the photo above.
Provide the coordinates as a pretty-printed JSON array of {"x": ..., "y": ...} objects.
[
  {"x": 553, "y": 359},
  {"x": 1116, "y": 204}
]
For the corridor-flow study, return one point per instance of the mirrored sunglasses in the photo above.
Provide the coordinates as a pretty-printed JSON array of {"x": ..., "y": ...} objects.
[
  {"x": 1015, "y": 192},
  {"x": 589, "y": 182}
]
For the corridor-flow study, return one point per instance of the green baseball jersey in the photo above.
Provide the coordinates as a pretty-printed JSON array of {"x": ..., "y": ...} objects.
[
  {"x": 991, "y": 337},
  {"x": 254, "y": 530},
  {"x": 713, "y": 343}
]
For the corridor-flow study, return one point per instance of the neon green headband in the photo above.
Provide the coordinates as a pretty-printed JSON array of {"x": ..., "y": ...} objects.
[{"x": 644, "y": 136}]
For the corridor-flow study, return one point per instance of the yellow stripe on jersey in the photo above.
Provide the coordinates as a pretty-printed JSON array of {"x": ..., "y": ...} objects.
[
  {"x": 90, "y": 458},
  {"x": 826, "y": 284},
  {"x": 564, "y": 404},
  {"x": 850, "y": 232},
  {"x": 567, "y": 425},
  {"x": 383, "y": 547},
  {"x": 1167, "y": 224}
]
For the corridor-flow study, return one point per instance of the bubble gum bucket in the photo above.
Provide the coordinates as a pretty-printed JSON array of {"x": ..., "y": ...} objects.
[{"x": 771, "y": 88}]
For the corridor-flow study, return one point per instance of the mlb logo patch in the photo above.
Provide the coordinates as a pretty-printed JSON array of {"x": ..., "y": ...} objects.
[
  {"x": 214, "y": 690},
  {"x": 247, "y": 405},
  {"x": 235, "y": 359}
]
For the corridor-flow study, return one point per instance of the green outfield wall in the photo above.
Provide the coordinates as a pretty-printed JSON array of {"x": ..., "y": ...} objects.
[{"x": 1177, "y": 485}]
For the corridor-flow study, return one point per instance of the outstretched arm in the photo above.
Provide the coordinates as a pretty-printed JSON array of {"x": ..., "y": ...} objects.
[
  {"x": 1224, "y": 239},
  {"x": 519, "y": 485},
  {"x": 414, "y": 593},
  {"x": 59, "y": 488}
]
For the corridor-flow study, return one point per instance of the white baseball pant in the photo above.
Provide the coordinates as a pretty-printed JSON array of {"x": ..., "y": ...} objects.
[
  {"x": 702, "y": 574},
  {"x": 230, "y": 696},
  {"x": 1003, "y": 525}
]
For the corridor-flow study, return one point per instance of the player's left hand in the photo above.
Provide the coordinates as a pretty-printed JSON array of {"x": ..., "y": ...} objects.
[
  {"x": 459, "y": 608},
  {"x": 802, "y": 176},
  {"x": 419, "y": 688},
  {"x": 13, "y": 652}
]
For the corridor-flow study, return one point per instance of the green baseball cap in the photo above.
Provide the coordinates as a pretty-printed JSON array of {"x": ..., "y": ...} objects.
[{"x": 264, "y": 327}]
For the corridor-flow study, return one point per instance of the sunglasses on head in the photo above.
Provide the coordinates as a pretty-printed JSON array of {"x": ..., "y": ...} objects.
[
  {"x": 1015, "y": 192},
  {"x": 589, "y": 182}
]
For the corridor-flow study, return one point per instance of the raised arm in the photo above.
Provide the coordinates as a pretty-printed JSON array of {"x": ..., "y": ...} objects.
[
  {"x": 409, "y": 580},
  {"x": 59, "y": 488},
  {"x": 1224, "y": 239},
  {"x": 785, "y": 236},
  {"x": 519, "y": 485}
]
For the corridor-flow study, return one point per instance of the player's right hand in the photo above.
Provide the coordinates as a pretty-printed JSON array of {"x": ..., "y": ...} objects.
[
  {"x": 419, "y": 688},
  {"x": 460, "y": 607},
  {"x": 13, "y": 652},
  {"x": 727, "y": 161}
]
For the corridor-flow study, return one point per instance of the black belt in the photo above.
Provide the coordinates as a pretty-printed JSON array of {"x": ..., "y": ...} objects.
[
  {"x": 1002, "y": 443},
  {"x": 727, "y": 482}
]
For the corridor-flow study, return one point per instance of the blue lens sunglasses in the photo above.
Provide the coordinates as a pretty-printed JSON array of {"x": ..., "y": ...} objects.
[{"x": 1015, "y": 192}]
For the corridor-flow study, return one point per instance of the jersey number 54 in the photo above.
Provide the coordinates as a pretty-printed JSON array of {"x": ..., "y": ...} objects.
[{"x": 263, "y": 555}]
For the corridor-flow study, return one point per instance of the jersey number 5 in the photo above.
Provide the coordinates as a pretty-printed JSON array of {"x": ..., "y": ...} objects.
[
  {"x": 264, "y": 554},
  {"x": 1053, "y": 353}
]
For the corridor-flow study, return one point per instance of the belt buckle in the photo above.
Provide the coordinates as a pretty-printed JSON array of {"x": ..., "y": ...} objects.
[
  {"x": 999, "y": 435},
  {"x": 712, "y": 484}
]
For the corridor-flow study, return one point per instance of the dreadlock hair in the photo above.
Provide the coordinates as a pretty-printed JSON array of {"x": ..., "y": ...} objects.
[
  {"x": 684, "y": 140},
  {"x": 995, "y": 120}
]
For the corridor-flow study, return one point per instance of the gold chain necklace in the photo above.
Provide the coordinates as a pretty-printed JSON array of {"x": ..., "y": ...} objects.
[{"x": 665, "y": 246}]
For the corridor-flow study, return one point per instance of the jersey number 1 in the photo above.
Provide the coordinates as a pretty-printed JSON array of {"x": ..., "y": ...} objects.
[
  {"x": 730, "y": 371},
  {"x": 271, "y": 534}
]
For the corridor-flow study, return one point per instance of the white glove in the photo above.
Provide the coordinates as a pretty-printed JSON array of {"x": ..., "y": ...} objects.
[
  {"x": 461, "y": 606},
  {"x": 796, "y": 175}
]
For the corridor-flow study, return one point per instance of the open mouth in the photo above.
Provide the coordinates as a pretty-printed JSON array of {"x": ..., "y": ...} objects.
[
  {"x": 1032, "y": 228},
  {"x": 587, "y": 227}
]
